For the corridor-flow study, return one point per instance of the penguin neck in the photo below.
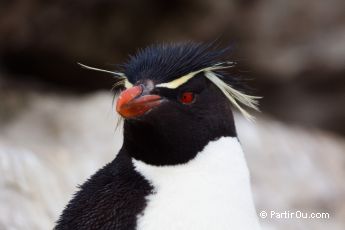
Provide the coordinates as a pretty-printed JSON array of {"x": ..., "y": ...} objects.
[
  {"x": 171, "y": 142},
  {"x": 211, "y": 191}
]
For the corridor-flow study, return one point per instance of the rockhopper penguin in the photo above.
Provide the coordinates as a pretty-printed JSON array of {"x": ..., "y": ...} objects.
[{"x": 181, "y": 166}]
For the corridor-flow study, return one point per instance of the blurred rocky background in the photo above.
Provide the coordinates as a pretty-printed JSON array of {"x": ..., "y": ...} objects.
[{"x": 57, "y": 124}]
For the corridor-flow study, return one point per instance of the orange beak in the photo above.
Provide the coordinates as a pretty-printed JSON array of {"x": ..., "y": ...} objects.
[{"x": 132, "y": 103}]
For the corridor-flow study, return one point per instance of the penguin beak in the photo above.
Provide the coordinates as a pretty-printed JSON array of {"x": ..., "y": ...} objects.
[{"x": 134, "y": 102}]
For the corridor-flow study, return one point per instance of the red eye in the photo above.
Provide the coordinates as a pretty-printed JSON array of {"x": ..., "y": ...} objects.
[{"x": 187, "y": 97}]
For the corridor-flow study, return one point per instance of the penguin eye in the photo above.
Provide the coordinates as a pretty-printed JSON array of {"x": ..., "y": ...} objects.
[{"x": 187, "y": 97}]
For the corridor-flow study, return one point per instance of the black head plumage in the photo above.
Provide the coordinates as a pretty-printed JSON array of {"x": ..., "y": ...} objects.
[{"x": 166, "y": 62}]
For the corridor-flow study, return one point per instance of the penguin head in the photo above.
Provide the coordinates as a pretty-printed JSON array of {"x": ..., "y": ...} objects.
[{"x": 175, "y": 99}]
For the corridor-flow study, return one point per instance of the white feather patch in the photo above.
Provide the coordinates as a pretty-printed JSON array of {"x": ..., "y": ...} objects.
[{"x": 211, "y": 191}]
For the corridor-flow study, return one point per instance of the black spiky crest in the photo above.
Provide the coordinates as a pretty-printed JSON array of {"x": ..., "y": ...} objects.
[{"x": 166, "y": 62}]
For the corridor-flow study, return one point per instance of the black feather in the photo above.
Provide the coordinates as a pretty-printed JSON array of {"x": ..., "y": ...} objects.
[
  {"x": 166, "y": 62},
  {"x": 111, "y": 199}
]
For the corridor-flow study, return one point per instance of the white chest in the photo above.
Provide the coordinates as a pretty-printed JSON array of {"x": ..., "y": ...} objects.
[{"x": 211, "y": 191}]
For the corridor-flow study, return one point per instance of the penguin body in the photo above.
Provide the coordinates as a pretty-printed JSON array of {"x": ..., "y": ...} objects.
[
  {"x": 181, "y": 165},
  {"x": 201, "y": 194}
]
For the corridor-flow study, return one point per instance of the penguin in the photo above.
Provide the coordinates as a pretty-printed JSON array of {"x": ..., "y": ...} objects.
[{"x": 181, "y": 165}]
